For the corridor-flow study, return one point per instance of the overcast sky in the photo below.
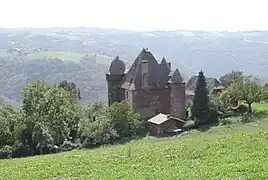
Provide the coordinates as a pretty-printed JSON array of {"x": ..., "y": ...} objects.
[{"x": 231, "y": 15}]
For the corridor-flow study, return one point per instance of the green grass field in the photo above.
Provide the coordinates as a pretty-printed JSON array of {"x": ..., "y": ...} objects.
[
  {"x": 66, "y": 56},
  {"x": 238, "y": 151}
]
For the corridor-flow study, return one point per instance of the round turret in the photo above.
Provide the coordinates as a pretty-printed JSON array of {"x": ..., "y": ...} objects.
[{"x": 117, "y": 67}]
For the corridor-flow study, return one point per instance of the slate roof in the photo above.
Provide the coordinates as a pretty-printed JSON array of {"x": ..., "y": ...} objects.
[
  {"x": 176, "y": 77},
  {"x": 161, "y": 118},
  {"x": 117, "y": 67},
  {"x": 212, "y": 84},
  {"x": 157, "y": 73}
]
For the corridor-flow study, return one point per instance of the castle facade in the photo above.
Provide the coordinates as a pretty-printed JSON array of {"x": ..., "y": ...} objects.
[{"x": 149, "y": 86}]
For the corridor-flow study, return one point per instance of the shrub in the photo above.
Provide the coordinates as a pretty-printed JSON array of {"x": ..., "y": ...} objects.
[
  {"x": 6, "y": 152},
  {"x": 20, "y": 150},
  {"x": 189, "y": 125},
  {"x": 68, "y": 146},
  {"x": 247, "y": 117}
]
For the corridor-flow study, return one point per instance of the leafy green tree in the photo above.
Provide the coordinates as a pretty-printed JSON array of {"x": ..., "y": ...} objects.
[
  {"x": 125, "y": 120},
  {"x": 33, "y": 98},
  {"x": 52, "y": 107},
  {"x": 221, "y": 101},
  {"x": 60, "y": 111},
  {"x": 95, "y": 127},
  {"x": 9, "y": 119},
  {"x": 71, "y": 87},
  {"x": 42, "y": 137},
  {"x": 230, "y": 78},
  {"x": 248, "y": 91},
  {"x": 200, "y": 108},
  {"x": 97, "y": 132}
]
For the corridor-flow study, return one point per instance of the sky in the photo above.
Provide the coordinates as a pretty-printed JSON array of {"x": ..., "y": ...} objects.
[{"x": 137, "y": 15}]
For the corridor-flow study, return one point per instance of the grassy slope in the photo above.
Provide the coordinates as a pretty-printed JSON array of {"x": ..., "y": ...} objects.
[
  {"x": 67, "y": 56},
  {"x": 237, "y": 151}
]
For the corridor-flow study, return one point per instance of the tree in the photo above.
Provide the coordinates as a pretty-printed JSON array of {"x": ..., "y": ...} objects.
[
  {"x": 71, "y": 87},
  {"x": 248, "y": 90},
  {"x": 42, "y": 137},
  {"x": 200, "y": 108},
  {"x": 220, "y": 101},
  {"x": 48, "y": 111},
  {"x": 95, "y": 126},
  {"x": 230, "y": 78},
  {"x": 9, "y": 119},
  {"x": 97, "y": 132},
  {"x": 125, "y": 120}
]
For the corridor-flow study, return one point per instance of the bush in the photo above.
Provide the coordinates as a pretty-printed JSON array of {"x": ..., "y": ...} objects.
[
  {"x": 213, "y": 116},
  {"x": 68, "y": 146},
  {"x": 247, "y": 117},
  {"x": 6, "y": 152},
  {"x": 189, "y": 125},
  {"x": 54, "y": 149},
  {"x": 20, "y": 150},
  {"x": 87, "y": 143}
]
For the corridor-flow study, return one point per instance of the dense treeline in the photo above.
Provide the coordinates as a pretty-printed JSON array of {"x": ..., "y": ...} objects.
[
  {"x": 16, "y": 73},
  {"x": 51, "y": 120}
]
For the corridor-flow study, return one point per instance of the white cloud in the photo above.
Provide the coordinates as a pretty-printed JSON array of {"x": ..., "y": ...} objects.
[{"x": 137, "y": 14}]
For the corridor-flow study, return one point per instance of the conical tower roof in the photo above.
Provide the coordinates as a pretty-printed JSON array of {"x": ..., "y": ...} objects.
[
  {"x": 163, "y": 61},
  {"x": 117, "y": 66},
  {"x": 176, "y": 77}
]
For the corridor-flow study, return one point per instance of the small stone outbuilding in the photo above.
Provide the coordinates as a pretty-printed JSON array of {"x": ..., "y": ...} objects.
[{"x": 162, "y": 124}]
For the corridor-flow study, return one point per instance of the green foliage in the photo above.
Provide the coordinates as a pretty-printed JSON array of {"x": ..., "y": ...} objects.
[
  {"x": 68, "y": 146},
  {"x": 230, "y": 78},
  {"x": 200, "y": 108},
  {"x": 220, "y": 101},
  {"x": 237, "y": 151},
  {"x": 246, "y": 90},
  {"x": 71, "y": 87},
  {"x": 5, "y": 152},
  {"x": 125, "y": 120},
  {"x": 51, "y": 121},
  {"x": 97, "y": 132},
  {"x": 101, "y": 124},
  {"x": 9, "y": 120}
]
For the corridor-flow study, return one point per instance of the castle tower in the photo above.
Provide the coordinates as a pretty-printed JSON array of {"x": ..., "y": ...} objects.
[
  {"x": 177, "y": 95},
  {"x": 114, "y": 79}
]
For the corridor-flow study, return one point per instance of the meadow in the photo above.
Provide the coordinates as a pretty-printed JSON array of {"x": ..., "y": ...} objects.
[
  {"x": 237, "y": 151},
  {"x": 63, "y": 55}
]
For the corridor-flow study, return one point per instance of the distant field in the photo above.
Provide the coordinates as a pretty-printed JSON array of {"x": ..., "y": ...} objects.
[
  {"x": 238, "y": 151},
  {"x": 67, "y": 56}
]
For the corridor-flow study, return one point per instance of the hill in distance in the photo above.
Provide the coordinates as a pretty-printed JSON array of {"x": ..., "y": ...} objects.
[{"x": 83, "y": 55}]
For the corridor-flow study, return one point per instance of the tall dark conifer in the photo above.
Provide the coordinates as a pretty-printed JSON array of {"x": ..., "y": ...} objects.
[{"x": 200, "y": 108}]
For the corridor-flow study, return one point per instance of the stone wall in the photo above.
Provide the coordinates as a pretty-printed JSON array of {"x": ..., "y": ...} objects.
[
  {"x": 177, "y": 100},
  {"x": 150, "y": 103},
  {"x": 160, "y": 129},
  {"x": 115, "y": 92}
]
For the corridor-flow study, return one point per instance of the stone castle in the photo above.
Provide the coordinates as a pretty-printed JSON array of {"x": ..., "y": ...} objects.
[{"x": 150, "y": 87}]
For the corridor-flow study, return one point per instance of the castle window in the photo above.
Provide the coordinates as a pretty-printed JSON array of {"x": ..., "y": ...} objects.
[
  {"x": 145, "y": 79},
  {"x": 144, "y": 72},
  {"x": 126, "y": 94}
]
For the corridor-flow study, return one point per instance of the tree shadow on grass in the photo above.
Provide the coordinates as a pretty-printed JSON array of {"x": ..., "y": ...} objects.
[
  {"x": 260, "y": 114},
  {"x": 206, "y": 127},
  {"x": 254, "y": 116}
]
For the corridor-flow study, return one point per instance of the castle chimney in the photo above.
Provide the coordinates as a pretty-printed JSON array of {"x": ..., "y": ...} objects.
[{"x": 169, "y": 65}]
